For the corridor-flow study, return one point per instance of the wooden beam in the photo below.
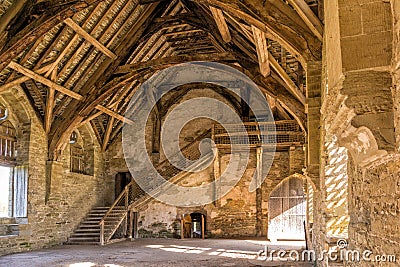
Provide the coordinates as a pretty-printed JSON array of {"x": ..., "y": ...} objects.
[
  {"x": 23, "y": 79},
  {"x": 173, "y": 60},
  {"x": 49, "y": 109},
  {"x": 283, "y": 112},
  {"x": 144, "y": 2},
  {"x": 308, "y": 17},
  {"x": 289, "y": 39},
  {"x": 39, "y": 27},
  {"x": 114, "y": 114},
  {"x": 49, "y": 104},
  {"x": 43, "y": 80},
  {"x": 221, "y": 24},
  {"x": 292, "y": 87},
  {"x": 181, "y": 32},
  {"x": 10, "y": 13},
  {"x": 107, "y": 134},
  {"x": 89, "y": 38},
  {"x": 63, "y": 90},
  {"x": 260, "y": 41},
  {"x": 61, "y": 55},
  {"x": 95, "y": 88}
]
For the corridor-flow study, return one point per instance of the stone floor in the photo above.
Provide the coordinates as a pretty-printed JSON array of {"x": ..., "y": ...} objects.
[{"x": 155, "y": 252}]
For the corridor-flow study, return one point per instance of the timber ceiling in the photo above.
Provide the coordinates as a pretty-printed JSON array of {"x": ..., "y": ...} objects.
[{"x": 81, "y": 61}]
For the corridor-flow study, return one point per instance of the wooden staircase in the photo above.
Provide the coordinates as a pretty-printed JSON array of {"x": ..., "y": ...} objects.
[
  {"x": 88, "y": 231},
  {"x": 116, "y": 221}
]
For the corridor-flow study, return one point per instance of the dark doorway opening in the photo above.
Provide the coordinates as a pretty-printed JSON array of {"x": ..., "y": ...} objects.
[
  {"x": 194, "y": 225},
  {"x": 122, "y": 179}
]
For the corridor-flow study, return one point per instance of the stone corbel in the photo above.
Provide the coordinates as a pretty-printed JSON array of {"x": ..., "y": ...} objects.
[
  {"x": 360, "y": 142},
  {"x": 362, "y": 145}
]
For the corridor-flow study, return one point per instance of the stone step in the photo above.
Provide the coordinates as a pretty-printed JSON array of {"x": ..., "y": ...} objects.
[
  {"x": 83, "y": 238},
  {"x": 90, "y": 222},
  {"x": 81, "y": 230},
  {"x": 83, "y": 243},
  {"x": 89, "y": 234},
  {"x": 97, "y": 219},
  {"x": 100, "y": 209},
  {"x": 100, "y": 215},
  {"x": 89, "y": 226},
  {"x": 88, "y": 231}
]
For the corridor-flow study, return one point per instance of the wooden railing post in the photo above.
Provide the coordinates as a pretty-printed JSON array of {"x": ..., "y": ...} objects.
[
  {"x": 182, "y": 227},
  {"x": 126, "y": 197},
  {"x": 130, "y": 223},
  {"x": 102, "y": 233},
  {"x": 202, "y": 226}
]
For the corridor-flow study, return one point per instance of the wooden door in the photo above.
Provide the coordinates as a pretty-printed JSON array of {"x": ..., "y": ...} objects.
[{"x": 287, "y": 211}]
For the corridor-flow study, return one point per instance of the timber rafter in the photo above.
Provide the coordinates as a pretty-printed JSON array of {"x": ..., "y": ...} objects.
[{"x": 82, "y": 61}]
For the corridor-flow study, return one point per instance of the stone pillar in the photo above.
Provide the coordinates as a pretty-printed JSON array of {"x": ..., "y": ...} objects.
[
  {"x": 314, "y": 71},
  {"x": 314, "y": 84},
  {"x": 366, "y": 45},
  {"x": 358, "y": 107}
]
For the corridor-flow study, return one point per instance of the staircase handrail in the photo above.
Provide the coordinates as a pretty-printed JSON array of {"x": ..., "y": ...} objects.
[{"x": 125, "y": 192}]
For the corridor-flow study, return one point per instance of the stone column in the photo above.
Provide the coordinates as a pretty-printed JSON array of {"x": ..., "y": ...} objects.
[
  {"x": 314, "y": 71},
  {"x": 314, "y": 84},
  {"x": 358, "y": 106}
]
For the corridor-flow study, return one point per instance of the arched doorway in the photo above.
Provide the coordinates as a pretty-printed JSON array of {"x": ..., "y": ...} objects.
[{"x": 287, "y": 210}]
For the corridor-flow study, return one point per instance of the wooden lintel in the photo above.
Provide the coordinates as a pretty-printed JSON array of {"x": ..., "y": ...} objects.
[
  {"x": 260, "y": 40},
  {"x": 89, "y": 38},
  {"x": 221, "y": 23}
]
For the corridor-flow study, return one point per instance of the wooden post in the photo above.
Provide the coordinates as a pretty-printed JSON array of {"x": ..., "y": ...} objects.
[
  {"x": 202, "y": 226},
  {"x": 126, "y": 225},
  {"x": 102, "y": 233},
  {"x": 182, "y": 228},
  {"x": 130, "y": 224},
  {"x": 135, "y": 234},
  {"x": 217, "y": 176},
  {"x": 126, "y": 198}
]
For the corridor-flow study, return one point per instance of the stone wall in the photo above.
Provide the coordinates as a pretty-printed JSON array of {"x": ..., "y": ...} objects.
[
  {"x": 375, "y": 210},
  {"x": 54, "y": 208},
  {"x": 239, "y": 213},
  {"x": 360, "y": 109}
]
